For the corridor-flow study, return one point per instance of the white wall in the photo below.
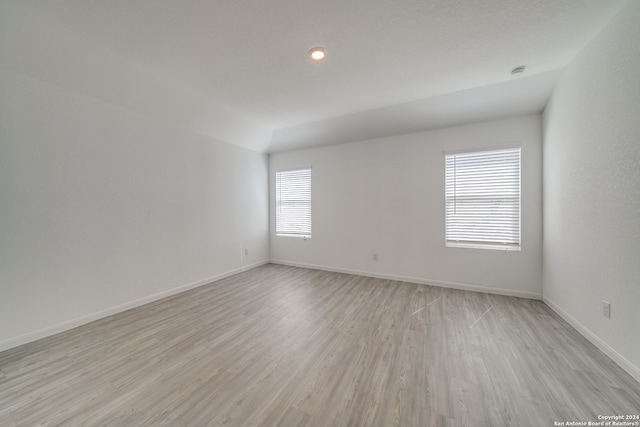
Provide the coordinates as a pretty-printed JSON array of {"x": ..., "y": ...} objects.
[
  {"x": 592, "y": 190},
  {"x": 35, "y": 44},
  {"x": 102, "y": 208},
  {"x": 386, "y": 196}
]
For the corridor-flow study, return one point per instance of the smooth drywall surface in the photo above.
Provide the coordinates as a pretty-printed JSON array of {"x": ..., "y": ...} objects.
[
  {"x": 592, "y": 190},
  {"x": 33, "y": 43},
  {"x": 519, "y": 96},
  {"x": 386, "y": 197},
  {"x": 102, "y": 208}
]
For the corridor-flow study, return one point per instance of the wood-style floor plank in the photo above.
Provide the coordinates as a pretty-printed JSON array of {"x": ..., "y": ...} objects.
[{"x": 286, "y": 346}]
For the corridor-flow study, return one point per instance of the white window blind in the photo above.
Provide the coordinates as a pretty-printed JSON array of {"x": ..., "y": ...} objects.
[
  {"x": 293, "y": 203},
  {"x": 483, "y": 199}
]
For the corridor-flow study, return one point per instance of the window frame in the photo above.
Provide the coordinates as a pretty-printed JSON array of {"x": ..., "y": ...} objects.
[
  {"x": 510, "y": 243},
  {"x": 289, "y": 231}
]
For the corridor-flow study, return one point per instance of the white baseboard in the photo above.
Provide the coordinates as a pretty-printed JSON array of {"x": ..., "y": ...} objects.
[
  {"x": 79, "y": 321},
  {"x": 453, "y": 285},
  {"x": 625, "y": 364}
]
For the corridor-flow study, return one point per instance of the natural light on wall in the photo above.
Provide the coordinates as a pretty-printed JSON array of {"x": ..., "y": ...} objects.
[{"x": 482, "y": 199}]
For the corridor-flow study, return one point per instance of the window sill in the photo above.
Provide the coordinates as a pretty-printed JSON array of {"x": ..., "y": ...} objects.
[
  {"x": 504, "y": 248},
  {"x": 297, "y": 236}
]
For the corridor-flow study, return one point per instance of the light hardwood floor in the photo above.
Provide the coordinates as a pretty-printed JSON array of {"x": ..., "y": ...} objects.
[{"x": 285, "y": 346}]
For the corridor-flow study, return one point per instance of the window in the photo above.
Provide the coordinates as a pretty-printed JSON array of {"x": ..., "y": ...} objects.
[
  {"x": 293, "y": 203},
  {"x": 482, "y": 198}
]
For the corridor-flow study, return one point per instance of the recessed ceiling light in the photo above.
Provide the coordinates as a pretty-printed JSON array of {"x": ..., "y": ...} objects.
[
  {"x": 518, "y": 70},
  {"x": 317, "y": 53}
]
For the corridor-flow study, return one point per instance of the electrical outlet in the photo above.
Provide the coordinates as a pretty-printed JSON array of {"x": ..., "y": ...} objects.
[
  {"x": 375, "y": 257},
  {"x": 246, "y": 251},
  {"x": 606, "y": 309}
]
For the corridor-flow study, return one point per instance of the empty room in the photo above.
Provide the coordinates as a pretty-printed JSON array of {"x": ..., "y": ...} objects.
[{"x": 320, "y": 213}]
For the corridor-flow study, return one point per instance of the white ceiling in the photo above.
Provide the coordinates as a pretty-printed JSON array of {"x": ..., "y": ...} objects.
[{"x": 238, "y": 70}]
